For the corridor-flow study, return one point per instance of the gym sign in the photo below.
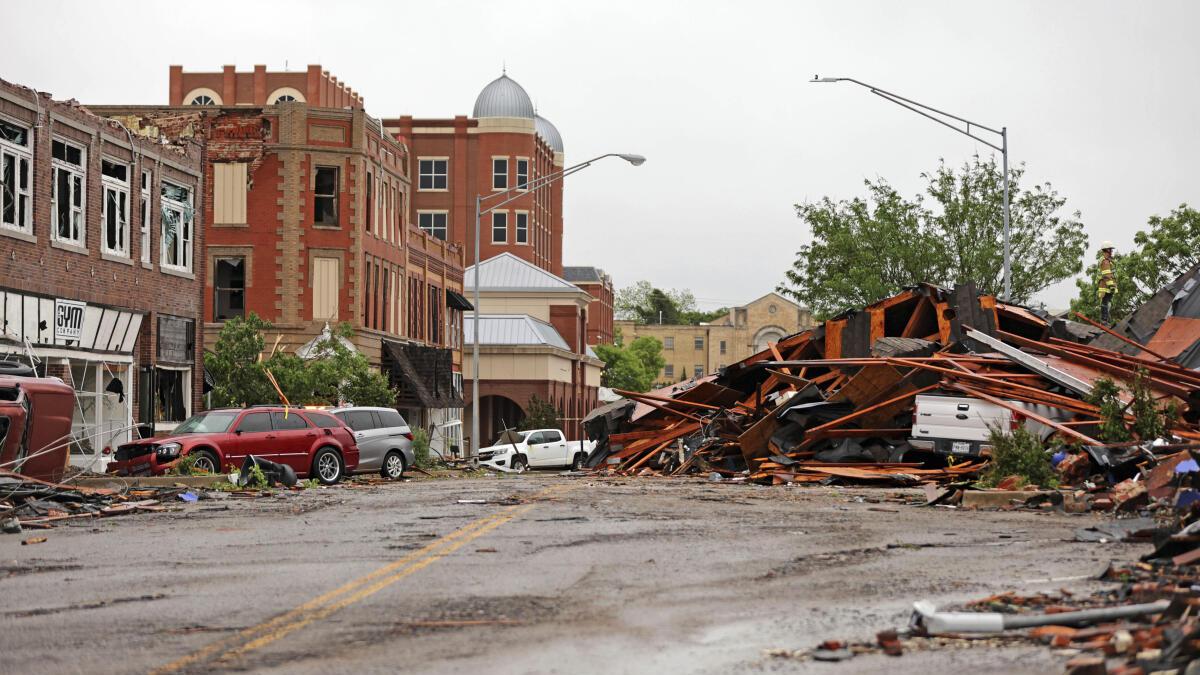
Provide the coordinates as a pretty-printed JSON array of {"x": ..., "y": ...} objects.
[{"x": 68, "y": 319}]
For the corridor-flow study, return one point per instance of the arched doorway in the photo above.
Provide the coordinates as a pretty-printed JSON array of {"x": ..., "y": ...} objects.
[
  {"x": 766, "y": 335},
  {"x": 497, "y": 414}
]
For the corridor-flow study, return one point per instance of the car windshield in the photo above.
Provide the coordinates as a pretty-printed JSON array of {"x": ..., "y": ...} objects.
[{"x": 208, "y": 423}]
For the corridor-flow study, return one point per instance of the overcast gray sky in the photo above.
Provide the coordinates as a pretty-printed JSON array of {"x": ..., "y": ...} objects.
[{"x": 1100, "y": 99}]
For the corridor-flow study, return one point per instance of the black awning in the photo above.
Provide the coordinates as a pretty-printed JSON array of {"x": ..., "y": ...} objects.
[
  {"x": 422, "y": 376},
  {"x": 457, "y": 301}
]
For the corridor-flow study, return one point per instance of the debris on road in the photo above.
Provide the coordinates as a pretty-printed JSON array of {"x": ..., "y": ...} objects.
[
  {"x": 913, "y": 390},
  {"x": 33, "y": 540},
  {"x": 27, "y": 502}
]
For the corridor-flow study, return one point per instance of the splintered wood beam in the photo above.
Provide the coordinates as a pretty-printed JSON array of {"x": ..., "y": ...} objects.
[
  {"x": 914, "y": 320},
  {"x": 664, "y": 408},
  {"x": 1122, "y": 338},
  {"x": 1027, "y": 413},
  {"x": 833, "y": 424},
  {"x": 646, "y": 398}
]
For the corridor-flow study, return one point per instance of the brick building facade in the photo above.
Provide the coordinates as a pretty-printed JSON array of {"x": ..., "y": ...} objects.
[
  {"x": 599, "y": 285},
  {"x": 102, "y": 250},
  {"x": 314, "y": 86},
  {"x": 504, "y": 144},
  {"x": 310, "y": 228}
]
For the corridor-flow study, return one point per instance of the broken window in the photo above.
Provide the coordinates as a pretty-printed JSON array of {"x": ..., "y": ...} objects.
[
  {"x": 176, "y": 232},
  {"x": 499, "y": 173},
  {"x": 432, "y": 174},
  {"x": 325, "y": 209},
  {"x": 68, "y": 192},
  {"x": 145, "y": 194},
  {"x": 115, "y": 208},
  {"x": 173, "y": 392},
  {"x": 522, "y": 173},
  {"x": 433, "y": 222},
  {"x": 16, "y": 211},
  {"x": 499, "y": 227},
  {"x": 522, "y": 229},
  {"x": 229, "y": 284}
]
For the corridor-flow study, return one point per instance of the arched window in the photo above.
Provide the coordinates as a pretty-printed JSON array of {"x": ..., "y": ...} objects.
[
  {"x": 202, "y": 96},
  {"x": 285, "y": 95}
]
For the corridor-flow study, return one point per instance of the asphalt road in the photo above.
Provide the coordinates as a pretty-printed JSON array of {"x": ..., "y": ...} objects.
[{"x": 552, "y": 575}]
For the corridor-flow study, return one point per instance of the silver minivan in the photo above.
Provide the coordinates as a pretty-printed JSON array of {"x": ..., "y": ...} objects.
[{"x": 383, "y": 437}]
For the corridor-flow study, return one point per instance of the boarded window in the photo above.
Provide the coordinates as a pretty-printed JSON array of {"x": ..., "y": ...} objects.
[
  {"x": 325, "y": 288},
  {"x": 229, "y": 285},
  {"x": 229, "y": 193}
]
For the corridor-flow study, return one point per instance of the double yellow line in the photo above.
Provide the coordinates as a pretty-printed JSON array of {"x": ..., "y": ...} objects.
[{"x": 365, "y": 586}]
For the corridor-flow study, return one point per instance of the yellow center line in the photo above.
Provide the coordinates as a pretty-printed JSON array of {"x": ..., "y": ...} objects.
[{"x": 327, "y": 603}]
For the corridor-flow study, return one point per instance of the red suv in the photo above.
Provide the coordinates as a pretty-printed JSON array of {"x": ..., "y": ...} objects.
[{"x": 313, "y": 443}]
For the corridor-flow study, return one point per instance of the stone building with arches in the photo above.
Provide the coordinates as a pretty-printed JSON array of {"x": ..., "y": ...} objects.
[
  {"x": 693, "y": 351},
  {"x": 313, "y": 85}
]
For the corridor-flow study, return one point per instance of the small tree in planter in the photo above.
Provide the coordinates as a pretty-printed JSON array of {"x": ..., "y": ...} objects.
[{"x": 541, "y": 415}]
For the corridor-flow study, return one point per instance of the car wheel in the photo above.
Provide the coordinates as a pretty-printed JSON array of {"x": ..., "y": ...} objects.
[
  {"x": 327, "y": 466},
  {"x": 577, "y": 464},
  {"x": 519, "y": 465},
  {"x": 205, "y": 461},
  {"x": 393, "y": 465}
]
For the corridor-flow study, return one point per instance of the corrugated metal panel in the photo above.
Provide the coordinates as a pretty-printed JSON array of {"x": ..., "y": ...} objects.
[
  {"x": 512, "y": 329},
  {"x": 507, "y": 271}
]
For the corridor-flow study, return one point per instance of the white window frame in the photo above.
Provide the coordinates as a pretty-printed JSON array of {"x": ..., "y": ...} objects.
[
  {"x": 121, "y": 189},
  {"x": 432, "y": 229},
  {"x": 522, "y": 177},
  {"x": 146, "y": 212},
  {"x": 433, "y": 175},
  {"x": 521, "y": 230},
  {"x": 182, "y": 244},
  {"x": 20, "y": 155},
  {"x": 503, "y": 213},
  {"x": 74, "y": 172},
  {"x": 497, "y": 175}
]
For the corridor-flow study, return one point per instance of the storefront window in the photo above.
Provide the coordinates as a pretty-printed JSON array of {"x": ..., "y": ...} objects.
[
  {"x": 173, "y": 392},
  {"x": 101, "y": 417}
]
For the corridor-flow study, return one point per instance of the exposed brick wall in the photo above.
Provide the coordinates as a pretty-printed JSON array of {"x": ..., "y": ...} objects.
[
  {"x": 315, "y": 85},
  {"x": 39, "y": 266}
]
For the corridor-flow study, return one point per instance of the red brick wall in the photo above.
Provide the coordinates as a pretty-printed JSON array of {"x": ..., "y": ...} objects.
[
  {"x": 318, "y": 87},
  {"x": 38, "y": 267}
]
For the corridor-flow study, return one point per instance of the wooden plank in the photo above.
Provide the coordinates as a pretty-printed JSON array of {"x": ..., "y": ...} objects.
[
  {"x": 919, "y": 314},
  {"x": 754, "y": 441}
]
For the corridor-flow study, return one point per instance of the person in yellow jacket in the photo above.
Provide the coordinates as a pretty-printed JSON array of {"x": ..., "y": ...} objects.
[{"x": 1107, "y": 285}]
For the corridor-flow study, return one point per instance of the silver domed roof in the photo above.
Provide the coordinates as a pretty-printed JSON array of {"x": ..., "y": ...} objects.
[
  {"x": 548, "y": 131},
  {"x": 503, "y": 97}
]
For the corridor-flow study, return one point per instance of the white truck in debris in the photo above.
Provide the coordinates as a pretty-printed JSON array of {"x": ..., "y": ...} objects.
[{"x": 516, "y": 451}]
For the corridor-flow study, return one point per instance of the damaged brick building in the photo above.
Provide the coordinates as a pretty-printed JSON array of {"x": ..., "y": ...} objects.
[
  {"x": 101, "y": 258},
  {"x": 310, "y": 227}
]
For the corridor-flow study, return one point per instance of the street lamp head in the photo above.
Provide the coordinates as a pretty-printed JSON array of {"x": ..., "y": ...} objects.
[
  {"x": 817, "y": 78},
  {"x": 636, "y": 160}
]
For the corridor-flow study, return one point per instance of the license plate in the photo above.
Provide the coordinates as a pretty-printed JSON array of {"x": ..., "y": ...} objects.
[{"x": 960, "y": 447}]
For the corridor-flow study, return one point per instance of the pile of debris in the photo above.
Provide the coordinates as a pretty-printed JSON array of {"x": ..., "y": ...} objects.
[
  {"x": 31, "y": 503},
  {"x": 837, "y": 402}
]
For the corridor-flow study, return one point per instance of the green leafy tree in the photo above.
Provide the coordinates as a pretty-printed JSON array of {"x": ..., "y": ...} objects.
[
  {"x": 868, "y": 248},
  {"x": 642, "y": 302},
  {"x": 540, "y": 415},
  {"x": 632, "y": 367},
  {"x": 337, "y": 374},
  {"x": 236, "y": 365},
  {"x": 1170, "y": 247}
]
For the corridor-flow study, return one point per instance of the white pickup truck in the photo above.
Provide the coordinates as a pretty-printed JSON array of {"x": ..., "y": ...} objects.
[{"x": 517, "y": 451}]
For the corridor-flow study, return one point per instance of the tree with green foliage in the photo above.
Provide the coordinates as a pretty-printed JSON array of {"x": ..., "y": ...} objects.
[
  {"x": 634, "y": 367},
  {"x": 336, "y": 374},
  {"x": 1170, "y": 247},
  {"x": 540, "y": 415},
  {"x": 869, "y": 248},
  {"x": 645, "y": 304},
  {"x": 1019, "y": 453}
]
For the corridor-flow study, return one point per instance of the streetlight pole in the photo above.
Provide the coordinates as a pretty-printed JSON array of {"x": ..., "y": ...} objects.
[
  {"x": 532, "y": 186},
  {"x": 930, "y": 112}
]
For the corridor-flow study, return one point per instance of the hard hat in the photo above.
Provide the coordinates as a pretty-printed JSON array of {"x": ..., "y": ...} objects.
[{"x": 1106, "y": 245}]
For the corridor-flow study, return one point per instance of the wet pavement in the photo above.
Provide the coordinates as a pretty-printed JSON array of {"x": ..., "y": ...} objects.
[{"x": 551, "y": 574}]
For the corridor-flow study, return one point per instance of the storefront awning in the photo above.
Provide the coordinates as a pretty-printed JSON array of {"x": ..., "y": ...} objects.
[
  {"x": 458, "y": 301},
  {"x": 423, "y": 376}
]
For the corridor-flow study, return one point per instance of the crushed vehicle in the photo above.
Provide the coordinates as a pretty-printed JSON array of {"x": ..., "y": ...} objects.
[
  {"x": 313, "y": 443},
  {"x": 384, "y": 439},
  {"x": 517, "y": 451},
  {"x": 35, "y": 422}
]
